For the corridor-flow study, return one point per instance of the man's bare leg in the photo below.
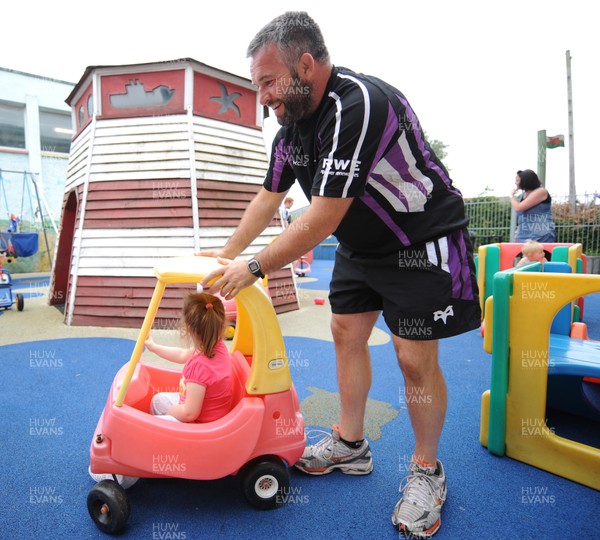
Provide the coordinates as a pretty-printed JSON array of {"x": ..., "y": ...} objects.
[
  {"x": 426, "y": 396},
  {"x": 351, "y": 333}
]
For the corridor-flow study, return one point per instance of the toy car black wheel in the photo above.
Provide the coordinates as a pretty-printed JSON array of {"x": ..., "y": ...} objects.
[
  {"x": 108, "y": 506},
  {"x": 20, "y": 302},
  {"x": 264, "y": 484}
]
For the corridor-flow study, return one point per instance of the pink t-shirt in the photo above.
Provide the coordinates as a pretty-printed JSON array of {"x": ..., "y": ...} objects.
[{"x": 215, "y": 375}]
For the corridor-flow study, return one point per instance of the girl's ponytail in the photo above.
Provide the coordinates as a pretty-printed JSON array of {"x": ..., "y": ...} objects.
[{"x": 204, "y": 321}]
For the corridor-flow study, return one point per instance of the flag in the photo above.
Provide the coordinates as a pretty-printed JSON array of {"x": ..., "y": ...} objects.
[{"x": 555, "y": 142}]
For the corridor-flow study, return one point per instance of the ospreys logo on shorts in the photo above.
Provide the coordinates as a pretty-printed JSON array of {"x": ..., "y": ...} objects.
[{"x": 448, "y": 312}]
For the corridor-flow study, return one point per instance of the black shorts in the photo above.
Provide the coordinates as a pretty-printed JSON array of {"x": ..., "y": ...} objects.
[{"x": 426, "y": 292}]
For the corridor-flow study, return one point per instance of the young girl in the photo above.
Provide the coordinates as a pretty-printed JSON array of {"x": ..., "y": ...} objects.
[{"x": 205, "y": 388}]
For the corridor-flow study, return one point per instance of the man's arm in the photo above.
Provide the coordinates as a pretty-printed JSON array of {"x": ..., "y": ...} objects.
[
  {"x": 317, "y": 223},
  {"x": 255, "y": 220}
]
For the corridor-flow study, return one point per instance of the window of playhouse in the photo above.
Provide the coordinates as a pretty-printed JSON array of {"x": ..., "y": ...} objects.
[
  {"x": 573, "y": 396},
  {"x": 55, "y": 131},
  {"x": 12, "y": 125}
]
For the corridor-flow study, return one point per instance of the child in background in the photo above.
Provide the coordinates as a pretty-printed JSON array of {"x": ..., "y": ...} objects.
[
  {"x": 284, "y": 212},
  {"x": 532, "y": 252},
  {"x": 205, "y": 389}
]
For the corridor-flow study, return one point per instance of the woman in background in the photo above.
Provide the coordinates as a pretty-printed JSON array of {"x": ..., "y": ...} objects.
[{"x": 533, "y": 207}]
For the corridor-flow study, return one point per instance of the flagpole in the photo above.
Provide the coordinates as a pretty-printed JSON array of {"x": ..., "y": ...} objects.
[
  {"x": 541, "y": 164},
  {"x": 572, "y": 193}
]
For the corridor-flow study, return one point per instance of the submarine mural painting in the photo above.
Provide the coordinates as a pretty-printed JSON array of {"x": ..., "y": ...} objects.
[
  {"x": 139, "y": 94},
  {"x": 136, "y": 96}
]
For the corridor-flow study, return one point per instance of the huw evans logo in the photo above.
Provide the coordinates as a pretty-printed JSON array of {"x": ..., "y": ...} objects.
[
  {"x": 44, "y": 495},
  {"x": 167, "y": 463},
  {"x": 167, "y": 531},
  {"x": 44, "y": 427},
  {"x": 44, "y": 359},
  {"x": 536, "y": 495}
]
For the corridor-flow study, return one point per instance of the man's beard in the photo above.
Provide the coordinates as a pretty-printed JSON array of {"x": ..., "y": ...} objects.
[{"x": 298, "y": 101}]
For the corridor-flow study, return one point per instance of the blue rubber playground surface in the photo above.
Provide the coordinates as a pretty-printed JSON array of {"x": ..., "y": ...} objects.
[{"x": 55, "y": 389}]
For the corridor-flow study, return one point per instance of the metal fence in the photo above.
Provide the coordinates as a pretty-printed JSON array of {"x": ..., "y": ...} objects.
[{"x": 491, "y": 219}]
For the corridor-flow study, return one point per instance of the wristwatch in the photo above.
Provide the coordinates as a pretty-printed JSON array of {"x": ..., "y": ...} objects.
[{"x": 254, "y": 268}]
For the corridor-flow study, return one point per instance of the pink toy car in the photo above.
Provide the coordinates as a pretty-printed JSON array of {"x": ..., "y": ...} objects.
[{"x": 250, "y": 441}]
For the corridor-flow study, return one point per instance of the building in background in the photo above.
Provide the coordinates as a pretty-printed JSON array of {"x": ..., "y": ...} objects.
[
  {"x": 35, "y": 139},
  {"x": 165, "y": 158},
  {"x": 35, "y": 136}
]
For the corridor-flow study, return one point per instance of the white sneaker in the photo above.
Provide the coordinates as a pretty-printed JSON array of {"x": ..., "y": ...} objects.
[
  {"x": 124, "y": 481},
  {"x": 417, "y": 513},
  {"x": 331, "y": 453}
]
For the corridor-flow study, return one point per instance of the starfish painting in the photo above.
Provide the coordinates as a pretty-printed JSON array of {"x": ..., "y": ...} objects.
[{"x": 227, "y": 100}]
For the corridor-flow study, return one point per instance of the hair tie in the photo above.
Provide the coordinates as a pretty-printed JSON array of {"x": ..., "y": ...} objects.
[{"x": 209, "y": 305}]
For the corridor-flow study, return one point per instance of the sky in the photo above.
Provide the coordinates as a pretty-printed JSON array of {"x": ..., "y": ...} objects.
[{"x": 483, "y": 77}]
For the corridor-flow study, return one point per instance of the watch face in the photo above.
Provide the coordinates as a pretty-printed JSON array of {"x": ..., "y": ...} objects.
[{"x": 254, "y": 266}]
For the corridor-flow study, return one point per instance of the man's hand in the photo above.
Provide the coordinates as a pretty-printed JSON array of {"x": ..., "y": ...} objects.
[{"x": 229, "y": 279}]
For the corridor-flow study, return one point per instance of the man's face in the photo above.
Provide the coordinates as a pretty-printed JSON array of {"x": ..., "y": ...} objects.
[{"x": 280, "y": 87}]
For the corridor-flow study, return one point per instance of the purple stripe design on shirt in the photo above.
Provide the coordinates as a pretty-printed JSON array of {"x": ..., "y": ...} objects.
[
  {"x": 391, "y": 125},
  {"x": 396, "y": 159},
  {"x": 418, "y": 134},
  {"x": 385, "y": 217},
  {"x": 278, "y": 164},
  {"x": 393, "y": 188}
]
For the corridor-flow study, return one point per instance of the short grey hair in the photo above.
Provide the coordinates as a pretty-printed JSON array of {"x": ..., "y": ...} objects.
[{"x": 294, "y": 33}]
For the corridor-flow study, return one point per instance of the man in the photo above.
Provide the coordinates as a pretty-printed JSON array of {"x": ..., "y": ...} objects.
[{"x": 357, "y": 150}]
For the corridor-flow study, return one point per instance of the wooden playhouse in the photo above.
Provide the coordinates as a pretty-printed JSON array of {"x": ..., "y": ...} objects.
[{"x": 165, "y": 158}]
